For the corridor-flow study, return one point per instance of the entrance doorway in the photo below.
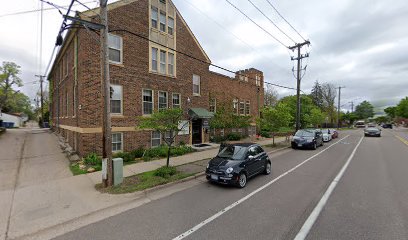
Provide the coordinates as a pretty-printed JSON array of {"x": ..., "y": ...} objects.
[{"x": 196, "y": 131}]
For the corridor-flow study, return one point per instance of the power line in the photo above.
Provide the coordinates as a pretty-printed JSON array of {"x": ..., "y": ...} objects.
[
  {"x": 270, "y": 20},
  {"x": 227, "y": 30},
  {"x": 192, "y": 57},
  {"x": 256, "y": 24},
  {"x": 276, "y": 10}
]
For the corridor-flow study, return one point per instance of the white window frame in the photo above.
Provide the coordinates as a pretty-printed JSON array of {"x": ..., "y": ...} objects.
[
  {"x": 247, "y": 107},
  {"x": 199, "y": 85},
  {"x": 118, "y": 49},
  {"x": 158, "y": 100},
  {"x": 170, "y": 19},
  {"x": 235, "y": 105},
  {"x": 241, "y": 108},
  {"x": 151, "y": 139},
  {"x": 163, "y": 62},
  {"x": 161, "y": 13},
  {"x": 213, "y": 103},
  {"x": 143, "y": 113},
  {"x": 172, "y": 100},
  {"x": 170, "y": 64},
  {"x": 121, "y": 99},
  {"x": 258, "y": 80},
  {"x": 157, "y": 17},
  {"x": 156, "y": 56},
  {"x": 121, "y": 142}
]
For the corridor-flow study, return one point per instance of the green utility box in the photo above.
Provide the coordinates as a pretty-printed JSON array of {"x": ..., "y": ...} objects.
[{"x": 117, "y": 171}]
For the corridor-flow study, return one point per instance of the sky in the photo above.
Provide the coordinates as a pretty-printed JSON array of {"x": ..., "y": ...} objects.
[{"x": 360, "y": 45}]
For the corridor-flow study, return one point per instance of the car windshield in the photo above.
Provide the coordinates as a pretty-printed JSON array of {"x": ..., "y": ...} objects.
[
  {"x": 304, "y": 133},
  {"x": 325, "y": 131},
  {"x": 232, "y": 152}
]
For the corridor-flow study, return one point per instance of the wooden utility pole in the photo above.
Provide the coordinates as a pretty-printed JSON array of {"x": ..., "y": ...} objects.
[
  {"x": 299, "y": 57},
  {"x": 338, "y": 108},
  {"x": 106, "y": 127},
  {"x": 42, "y": 98}
]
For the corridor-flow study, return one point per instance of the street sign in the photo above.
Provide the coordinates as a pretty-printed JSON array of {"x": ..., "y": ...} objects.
[{"x": 206, "y": 123}]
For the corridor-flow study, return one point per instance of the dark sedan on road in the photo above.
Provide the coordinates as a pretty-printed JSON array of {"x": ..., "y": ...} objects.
[
  {"x": 372, "y": 131},
  {"x": 236, "y": 163},
  {"x": 387, "y": 125},
  {"x": 307, "y": 138}
]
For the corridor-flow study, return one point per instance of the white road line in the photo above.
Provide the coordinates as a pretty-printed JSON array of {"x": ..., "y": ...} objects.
[
  {"x": 304, "y": 231},
  {"x": 218, "y": 214}
]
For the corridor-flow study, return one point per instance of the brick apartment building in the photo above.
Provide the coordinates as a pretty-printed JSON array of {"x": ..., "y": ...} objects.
[{"x": 147, "y": 73}]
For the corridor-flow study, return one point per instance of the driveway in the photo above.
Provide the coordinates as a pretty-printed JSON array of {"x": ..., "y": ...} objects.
[{"x": 28, "y": 156}]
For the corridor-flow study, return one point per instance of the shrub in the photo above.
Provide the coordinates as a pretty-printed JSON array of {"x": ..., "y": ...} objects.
[
  {"x": 265, "y": 134},
  {"x": 138, "y": 153},
  {"x": 165, "y": 172},
  {"x": 234, "y": 136},
  {"x": 92, "y": 159},
  {"x": 218, "y": 139},
  {"x": 127, "y": 157},
  {"x": 161, "y": 152}
]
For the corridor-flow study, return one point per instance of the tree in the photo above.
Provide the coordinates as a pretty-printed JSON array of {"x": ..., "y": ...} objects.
[
  {"x": 316, "y": 117},
  {"x": 9, "y": 72},
  {"x": 306, "y": 105},
  {"x": 402, "y": 108},
  {"x": 270, "y": 96},
  {"x": 364, "y": 110},
  {"x": 329, "y": 96},
  {"x": 225, "y": 117},
  {"x": 20, "y": 103},
  {"x": 169, "y": 122},
  {"x": 274, "y": 118},
  {"x": 349, "y": 117},
  {"x": 317, "y": 95},
  {"x": 381, "y": 119},
  {"x": 390, "y": 111}
]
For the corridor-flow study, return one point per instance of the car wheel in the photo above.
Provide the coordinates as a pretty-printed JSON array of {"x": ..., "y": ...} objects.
[
  {"x": 314, "y": 146},
  {"x": 268, "y": 168},
  {"x": 242, "y": 180},
  {"x": 322, "y": 143}
]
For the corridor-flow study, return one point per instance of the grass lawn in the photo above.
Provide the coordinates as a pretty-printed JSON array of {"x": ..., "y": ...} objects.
[
  {"x": 142, "y": 181},
  {"x": 278, "y": 145}
]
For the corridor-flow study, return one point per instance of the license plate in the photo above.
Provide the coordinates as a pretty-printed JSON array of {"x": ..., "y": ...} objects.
[
  {"x": 214, "y": 177},
  {"x": 299, "y": 145}
]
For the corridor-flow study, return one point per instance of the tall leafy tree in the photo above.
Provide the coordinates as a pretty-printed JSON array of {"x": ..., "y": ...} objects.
[
  {"x": 306, "y": 105},
  {"x": 169, "y": 122},
  {"x": 390, "y": 111},
  {"x": 270, "y": 96},
  {"x": 364, "y": 110},
  {"x": 9, "y": 72},
  {"x": 225, "y": 117},
  {"x": 316, "y": 117},
  {"x": 274, "y": 118},
  {"x": 317, "y": 95},
  {"x": 329, "y": 95},
  {"x": 402, "y": 108}
]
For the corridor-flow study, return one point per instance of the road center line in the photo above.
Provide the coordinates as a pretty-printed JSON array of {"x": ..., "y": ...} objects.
[
  {"x": 218, "y": 214},
  {"x": 307, "y": 226}
]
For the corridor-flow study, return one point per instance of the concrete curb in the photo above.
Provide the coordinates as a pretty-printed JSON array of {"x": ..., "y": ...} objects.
[{"x": 158, "y": 187}]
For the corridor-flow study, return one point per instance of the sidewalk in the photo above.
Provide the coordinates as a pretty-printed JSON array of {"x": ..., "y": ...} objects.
[{"x": 44, "y": 206}]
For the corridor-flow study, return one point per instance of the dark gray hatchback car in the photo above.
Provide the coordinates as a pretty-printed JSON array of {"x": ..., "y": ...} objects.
[
  {"x": 236, "y": 163},
  {"x": 307, "y": 138}
]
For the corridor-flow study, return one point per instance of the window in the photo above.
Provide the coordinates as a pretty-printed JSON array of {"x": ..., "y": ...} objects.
[
  {"x": 162, "y": 61},
  {"x": 258, "y": 80},
  {"x": 176, "y": 100},
  {"x": 116, "y": 99},
  {"x": 162, "y": 100},
  {"x": 247, "y": 110},
  {"x": 147, "y": 101},
  {"x": 171, "y": 64},
  {"x": 184, "y": 126},
  {"x": 242, "y": 108},
  {"x": 116, "y": 142},
  {"x": 196, "y": 85},
  {"x": 115, "y": 48},
  {"x": 213, "y": 103},
  {"x": 154, "y": 59},
  {"x": 163, "y": 1},
  {"x": 162, "y": 21},
  {"x": 156, "y": 139},
  {"x": 235, "y": 105},
  {"x": 154, "y": 17},
  {"x": 170, "y": 26}
]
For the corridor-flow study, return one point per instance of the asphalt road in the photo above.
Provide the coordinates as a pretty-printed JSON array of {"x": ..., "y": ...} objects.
[{"x": 370, "y": 201}]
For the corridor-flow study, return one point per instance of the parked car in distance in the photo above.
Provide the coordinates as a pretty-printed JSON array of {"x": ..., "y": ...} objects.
[
  {"x": 370, "y": 125},
  {"x": 326, "y": 135},
  {"x": 335, "y": 134},
  {"x": 236, "y": 163},
  {"x": 360, "y": 124},
  {"x": 307, "y": 138},
  {"x": 372, "y": 131},
  {"x": 387, "y": 125}
]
